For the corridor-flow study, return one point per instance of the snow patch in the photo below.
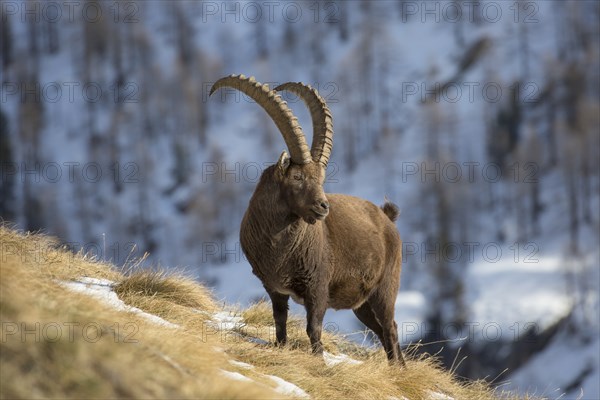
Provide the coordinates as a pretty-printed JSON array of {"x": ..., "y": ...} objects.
[
  {"x": 287, "y": 388},
  {"x": 102, "y": 289},
  {"x": 333, "y": 359},
  {"x": 236, "y": 376},
  {"x": 226, "y": 320},
  {"x": 241, "y": 364},
  {"x": 283, "y": 387},
  {"x": 437, "y": 396},
  {"x": 96, "y": 281}
]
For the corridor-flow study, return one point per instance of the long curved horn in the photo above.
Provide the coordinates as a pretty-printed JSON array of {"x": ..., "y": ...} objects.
[
  {"x": 277, "y": 109},
  {"x": 321, "y": 119}
]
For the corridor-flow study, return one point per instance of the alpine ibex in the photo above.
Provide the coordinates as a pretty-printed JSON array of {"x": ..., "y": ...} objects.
[{"x": 326, "y": 251}]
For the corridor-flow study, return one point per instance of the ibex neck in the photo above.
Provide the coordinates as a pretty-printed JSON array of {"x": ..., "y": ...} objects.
[
  {"x": 271, "y": 218},
  {"x": 268, "y": 216}
]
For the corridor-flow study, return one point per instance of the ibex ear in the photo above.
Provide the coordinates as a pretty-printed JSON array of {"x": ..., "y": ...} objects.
[{"x": 283, "y": 163}]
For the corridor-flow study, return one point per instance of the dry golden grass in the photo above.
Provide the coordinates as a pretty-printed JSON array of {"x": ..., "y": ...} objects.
[{"x": 104, "y": 352}]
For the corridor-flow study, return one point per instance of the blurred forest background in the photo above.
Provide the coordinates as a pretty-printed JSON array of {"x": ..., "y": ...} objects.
[{"x": 481, "y": 120}]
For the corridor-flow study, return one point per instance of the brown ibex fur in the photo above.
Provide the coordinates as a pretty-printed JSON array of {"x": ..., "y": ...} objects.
[{"x": 325, "y": 251}]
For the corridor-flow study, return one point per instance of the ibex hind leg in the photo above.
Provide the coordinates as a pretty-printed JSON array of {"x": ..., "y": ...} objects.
[
  {"x": 366, "y": 315},
  {"x": 383, "y": 309}
]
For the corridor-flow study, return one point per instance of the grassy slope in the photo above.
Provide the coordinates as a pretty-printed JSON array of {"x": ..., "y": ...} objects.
[{"x": 142, "y": 359}]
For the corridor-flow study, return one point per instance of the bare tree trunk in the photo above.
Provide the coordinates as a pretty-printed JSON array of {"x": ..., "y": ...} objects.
[
  {"x": 586, "y": 194},
  {"x": 573, "y": 212},
  {"x": 8, "y": 182},
  {"x": 523, "y": 46},
  {"x": 6, "y": 41},
  {"x": 551, "y": 136},
  {"x": 52, "y": 34}
]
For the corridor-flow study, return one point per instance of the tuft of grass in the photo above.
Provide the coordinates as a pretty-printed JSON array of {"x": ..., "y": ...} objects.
[
  {"x": 170, "y": 296},
  {"x": 103, "y": 352},
  {"x": 259, "y": 314},
  {"x": 165, "y": 286}
]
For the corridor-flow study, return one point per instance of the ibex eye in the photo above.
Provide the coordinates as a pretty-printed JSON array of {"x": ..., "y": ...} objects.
[{"x": 298, "y": 177}]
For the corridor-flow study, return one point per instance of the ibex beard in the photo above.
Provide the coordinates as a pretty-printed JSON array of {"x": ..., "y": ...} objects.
[{"x": 323, "y": 250}]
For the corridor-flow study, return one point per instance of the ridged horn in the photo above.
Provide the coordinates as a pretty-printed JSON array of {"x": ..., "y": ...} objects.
[
  {"x": 321, "y": 119},
  {"x": 277, "y": 109}
]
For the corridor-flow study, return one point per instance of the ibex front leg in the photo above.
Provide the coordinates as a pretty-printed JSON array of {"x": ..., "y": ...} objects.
[
  {"x": 315, "y": 302},
  {"x": 280, "y": 315}
]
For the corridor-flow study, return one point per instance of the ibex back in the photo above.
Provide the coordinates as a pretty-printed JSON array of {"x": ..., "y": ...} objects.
[{"x": 323, "y": 250}]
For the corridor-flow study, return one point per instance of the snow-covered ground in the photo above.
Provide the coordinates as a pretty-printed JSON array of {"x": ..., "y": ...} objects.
[
  {"x": 515, "y": 296},
  {"x": 568, "y": 365}
]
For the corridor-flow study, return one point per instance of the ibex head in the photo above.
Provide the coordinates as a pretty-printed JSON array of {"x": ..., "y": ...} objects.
[
  {"x": 301, "y": 187},
  {"x": 301, "y": 174}
]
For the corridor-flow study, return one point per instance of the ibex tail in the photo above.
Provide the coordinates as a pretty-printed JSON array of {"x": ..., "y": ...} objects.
[{"x": 391, "y": 210}]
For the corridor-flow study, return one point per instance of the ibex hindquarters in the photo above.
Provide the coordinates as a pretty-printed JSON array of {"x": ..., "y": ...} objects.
[{"x": 369, "y": 262}]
